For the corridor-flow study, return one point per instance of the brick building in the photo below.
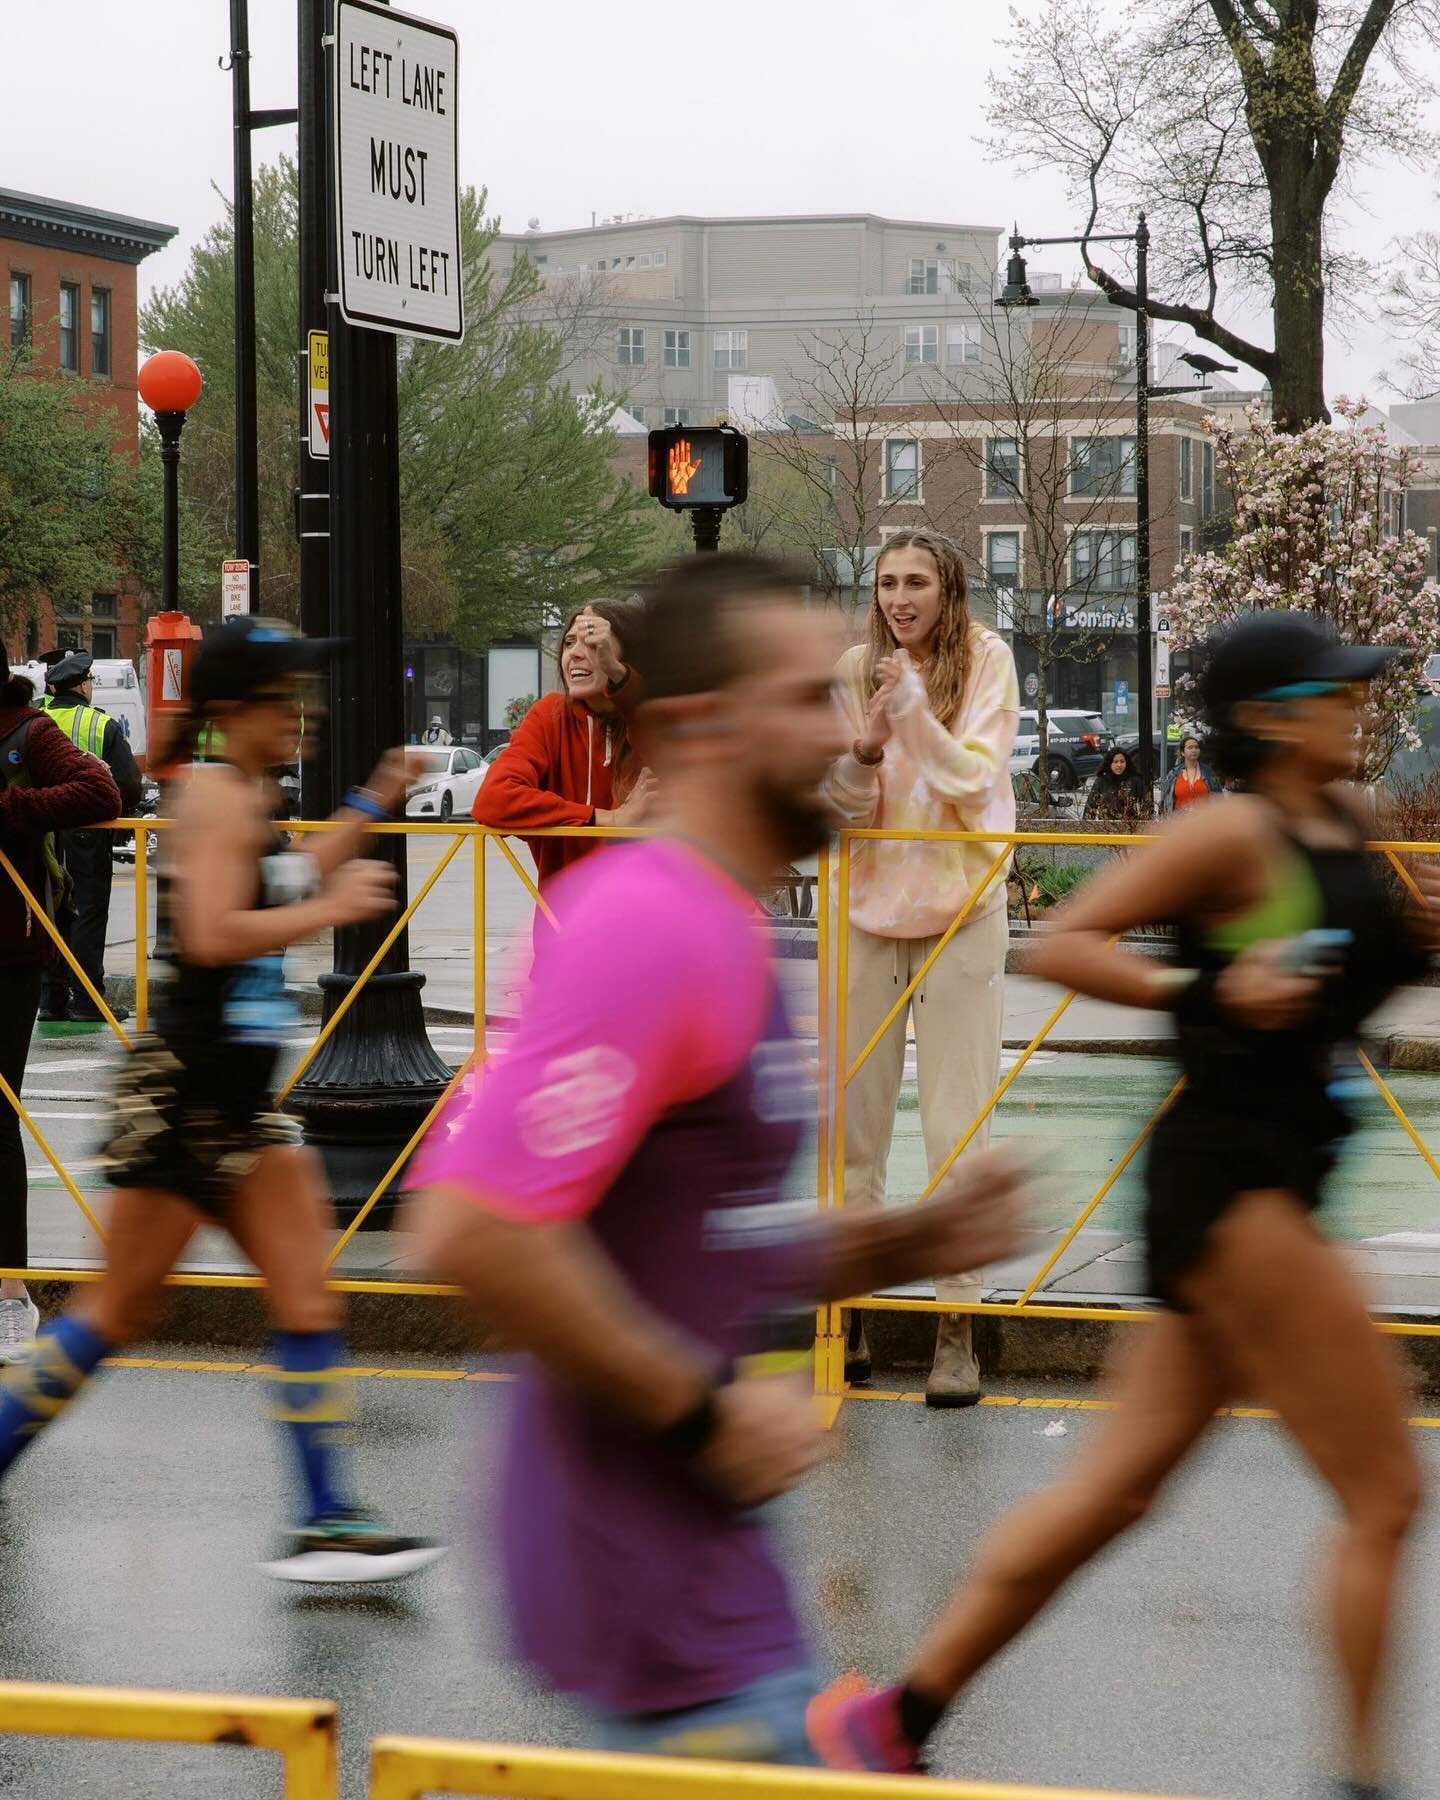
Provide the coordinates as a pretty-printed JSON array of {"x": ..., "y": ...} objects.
[{"x": 70, "y": 280}]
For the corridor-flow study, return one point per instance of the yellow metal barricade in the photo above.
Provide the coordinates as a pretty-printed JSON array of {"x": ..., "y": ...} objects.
[
  {"x": 407, "y": 1768},
  {"x": 843, "y": 1071},
  {"x": 835, "y": 1068},
  {"x": 301, "y": 1732}
]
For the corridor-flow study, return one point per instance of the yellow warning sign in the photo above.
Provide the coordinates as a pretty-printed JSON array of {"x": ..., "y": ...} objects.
[{"x": 319, "y": 384}]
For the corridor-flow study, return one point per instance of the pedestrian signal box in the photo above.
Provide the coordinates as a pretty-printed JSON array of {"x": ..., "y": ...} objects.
[{"x": 694, "y": 466}]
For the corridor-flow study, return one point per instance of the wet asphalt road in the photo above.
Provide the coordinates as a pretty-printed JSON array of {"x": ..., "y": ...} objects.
[{"x": 1188, "y": 1662}]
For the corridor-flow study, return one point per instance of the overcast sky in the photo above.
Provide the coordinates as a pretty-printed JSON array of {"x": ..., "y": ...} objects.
[{"x": 570, "y": 107}]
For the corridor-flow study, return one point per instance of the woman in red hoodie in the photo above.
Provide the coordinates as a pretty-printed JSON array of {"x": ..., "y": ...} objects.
[{"x": 570, "y": 763}]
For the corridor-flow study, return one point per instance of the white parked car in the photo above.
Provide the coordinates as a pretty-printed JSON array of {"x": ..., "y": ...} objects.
[{"x": 449, "y": 778}]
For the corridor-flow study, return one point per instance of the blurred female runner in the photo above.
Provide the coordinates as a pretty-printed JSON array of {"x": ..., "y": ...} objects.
[
  {"x": 193, "y": 1138},
  {"x": 1288, "y": 939}
]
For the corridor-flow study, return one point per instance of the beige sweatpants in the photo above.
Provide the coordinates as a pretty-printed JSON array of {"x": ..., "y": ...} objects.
[{"x": 959, "y": 1012}]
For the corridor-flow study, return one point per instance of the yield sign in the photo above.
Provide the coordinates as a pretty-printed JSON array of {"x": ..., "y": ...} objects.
[{"x": 322, "y": 419}]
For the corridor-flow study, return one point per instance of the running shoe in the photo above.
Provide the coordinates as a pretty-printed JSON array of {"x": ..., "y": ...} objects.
[
  {"x": 351, "y": 1548},
  {"x": 854, "y": 1726},
  {"x": 19, "y": 1321}
]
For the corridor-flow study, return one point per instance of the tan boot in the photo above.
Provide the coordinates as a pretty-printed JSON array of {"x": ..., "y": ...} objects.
[
  {"x": 955, "y": 1374},
  {"x": 857, "y": 1351}
]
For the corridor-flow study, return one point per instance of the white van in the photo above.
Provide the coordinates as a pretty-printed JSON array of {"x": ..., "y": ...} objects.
[{"x": 115, "y": 689}]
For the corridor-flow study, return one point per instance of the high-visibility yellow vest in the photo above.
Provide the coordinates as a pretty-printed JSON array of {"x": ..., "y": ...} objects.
[{"x": 83, "y": 725}]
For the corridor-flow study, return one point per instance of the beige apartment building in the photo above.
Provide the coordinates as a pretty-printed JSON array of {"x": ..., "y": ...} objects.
[{"x": 696, "y": 318}]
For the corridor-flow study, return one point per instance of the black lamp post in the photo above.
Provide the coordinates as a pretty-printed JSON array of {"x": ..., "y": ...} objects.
[
  {"x": 1016, "y": 292},
  {"x": 170, "y": 384}
]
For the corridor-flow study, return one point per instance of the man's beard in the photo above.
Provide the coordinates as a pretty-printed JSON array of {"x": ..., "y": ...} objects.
[{"x": 802, "y": 822}]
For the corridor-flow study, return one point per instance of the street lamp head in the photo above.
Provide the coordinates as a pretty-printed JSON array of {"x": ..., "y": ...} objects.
[
  {"x": 169, "y": 382},
  {"x": 1016, "y": 291}
]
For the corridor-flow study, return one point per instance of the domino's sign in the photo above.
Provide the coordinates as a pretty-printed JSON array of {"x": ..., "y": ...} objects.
[{"x": 397, "y": 184}]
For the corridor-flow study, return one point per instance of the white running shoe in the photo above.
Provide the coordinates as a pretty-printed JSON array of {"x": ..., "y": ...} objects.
[
  {"x": 351, "y": 1548},
  {"x": 19, "y": 1321}
]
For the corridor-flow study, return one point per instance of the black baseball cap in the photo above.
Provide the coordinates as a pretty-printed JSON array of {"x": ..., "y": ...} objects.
[
  {"x": 245, "y": 654},
  {"x": 1283, "y": 656}
]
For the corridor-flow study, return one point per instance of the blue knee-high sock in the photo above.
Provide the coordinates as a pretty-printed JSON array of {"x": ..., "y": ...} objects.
[
  {"x": 313, "y": 1399},
  {"x": 35, "y": 1389}
]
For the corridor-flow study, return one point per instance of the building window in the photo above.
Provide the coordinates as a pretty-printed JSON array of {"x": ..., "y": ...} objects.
[
  {"x": 962, "y": 344},
  {"x": 1002, "y": 468},
  {"x": 1002, "y": 574},
  {"x": 99, "y": 331},
  {"x": 902, "y": 469},
  {"x": 19, "y": 309},
  {"x": 659, "y": 259},
  {"x": 1207, "y": 480},
  {"x": 1187, "y": 471},
  {"x": 630, "y": 345},
  {"x": 1102, "y": 466},
  {"x": 935, "y": 275},
  {"x": 677, "y": 415},
  {"x": 1103, "y": 560},
  {"x": 732, "y": 349},
  {"x": 1126, "y": 334},
  {"x": 102, "y": 606},
  {"x": 677, "y": 349},
  {"x": 1187, "y": 542},
  {"x": 636, "y": 411},
  {"x": 922, "y": 343},
  {"x": 103, "y": 641},
  {"x": 70, "y": 327}
]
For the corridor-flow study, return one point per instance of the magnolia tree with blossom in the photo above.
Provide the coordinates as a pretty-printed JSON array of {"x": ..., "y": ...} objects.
[{"x": 1316, "y": 516}]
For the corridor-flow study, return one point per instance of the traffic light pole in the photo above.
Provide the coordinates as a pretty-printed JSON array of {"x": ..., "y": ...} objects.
[{"x": 705, "y": 524}]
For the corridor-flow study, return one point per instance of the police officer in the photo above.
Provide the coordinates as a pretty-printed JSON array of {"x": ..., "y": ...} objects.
[{"x": 86, "y": 853}]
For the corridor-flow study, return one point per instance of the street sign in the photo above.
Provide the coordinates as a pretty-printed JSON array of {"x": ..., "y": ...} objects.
[
  {"x": 1162, "y": 668},
  {"x": 397, "y": 185},
  {"x": 318, "y": 410},
  {"x": 234, "y": 588},
  {"x": 172, "y": 676}
]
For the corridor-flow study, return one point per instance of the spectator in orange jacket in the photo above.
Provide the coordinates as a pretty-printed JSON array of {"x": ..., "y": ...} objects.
[{"x": 570, "y": 761}]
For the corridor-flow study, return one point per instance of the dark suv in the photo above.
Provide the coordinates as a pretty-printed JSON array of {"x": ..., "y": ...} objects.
[{"x": 1075, "y": 744}]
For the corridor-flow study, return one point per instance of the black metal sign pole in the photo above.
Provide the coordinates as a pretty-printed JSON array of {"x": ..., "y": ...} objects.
[
  {"x": 377, "y": 1076},
  {"x": 312, "y": 496}
]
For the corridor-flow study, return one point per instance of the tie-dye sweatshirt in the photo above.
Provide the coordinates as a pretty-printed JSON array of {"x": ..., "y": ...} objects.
[{"x": 932, "y": 779}]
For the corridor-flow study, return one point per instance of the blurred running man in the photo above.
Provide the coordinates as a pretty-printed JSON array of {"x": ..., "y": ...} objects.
[
  {"x": 612, "y": 1202},
  {"x": 193, "y": 1137}
]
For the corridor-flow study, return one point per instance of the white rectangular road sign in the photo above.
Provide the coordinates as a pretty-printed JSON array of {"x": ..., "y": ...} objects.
[
  {"x": 318, "y": 408},
  {"x": 1162, "y": 668},
  {"x": 172, "y": 673},
  {"x": 397, "y": 182},
  {"x": 234, "y": 588}
]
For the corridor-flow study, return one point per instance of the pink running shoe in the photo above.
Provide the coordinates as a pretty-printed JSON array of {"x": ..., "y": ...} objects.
[{"x": 854, "y": 1726}]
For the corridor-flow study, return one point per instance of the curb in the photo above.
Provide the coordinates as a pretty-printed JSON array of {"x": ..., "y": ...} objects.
[{"x": 901, "y": 1344}]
